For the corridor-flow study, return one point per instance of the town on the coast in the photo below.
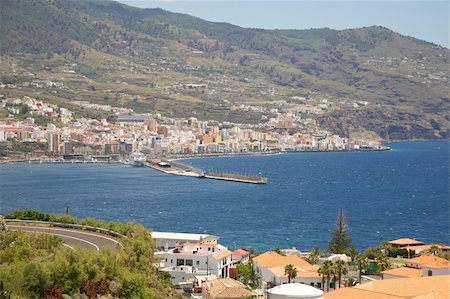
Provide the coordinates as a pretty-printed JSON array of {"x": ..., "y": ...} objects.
[
  {"x": 199, "y": 266},
  {"x": 37, "y": 130}
]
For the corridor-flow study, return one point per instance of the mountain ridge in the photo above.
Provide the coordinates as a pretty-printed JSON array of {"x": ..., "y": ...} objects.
[{"x": 371, "y": 63}]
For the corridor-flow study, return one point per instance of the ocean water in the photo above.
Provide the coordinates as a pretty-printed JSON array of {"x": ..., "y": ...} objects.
[{"x": 385, "y": 195}]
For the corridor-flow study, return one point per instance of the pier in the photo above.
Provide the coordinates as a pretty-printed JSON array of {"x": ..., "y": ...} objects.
[{"x": 176, "y": 168}]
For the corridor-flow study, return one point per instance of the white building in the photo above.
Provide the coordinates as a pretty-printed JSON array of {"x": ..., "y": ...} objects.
[
  {"x": 293, "y": 291},
  {"x": 195, "y": 259},
  {"x": 270, "y": 267},
  {"x": 168, "y": 240}
]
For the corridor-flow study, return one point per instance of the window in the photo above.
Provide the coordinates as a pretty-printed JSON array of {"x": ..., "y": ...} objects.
[
  {"x": 180, "y": 262},
  {"x": 166, "y": 260},
  {"x": 188, "y": 262},
  {"x": 197, "y": 263},
  {"x": 430, "y": 273}
]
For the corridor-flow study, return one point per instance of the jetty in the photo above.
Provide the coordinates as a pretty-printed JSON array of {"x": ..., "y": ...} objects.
[{"x": 176, "y": 168}]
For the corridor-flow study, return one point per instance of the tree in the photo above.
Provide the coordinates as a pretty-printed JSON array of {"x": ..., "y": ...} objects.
[
  {"x": 382, "y": 261},
  {"x": 434, "y": 250},
  {"x": 246, "y": 273},
  {"x": 372, "y": 252},
  {"x": 341, "y": 239},
  {"x": 341, "y": 269},
  {"x": 290, "y": 271},
  {"x": 313, "y": 257},
  {"x": 363, "y": 264},
  {"x": 352, "y": 252},
  {"x": 326, "y": 271}
]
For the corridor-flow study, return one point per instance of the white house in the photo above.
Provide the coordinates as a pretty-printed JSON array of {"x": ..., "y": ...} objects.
[
  {"x": 168, "y": 240},
  {"x": 270, "y": 267},
  {"x": 195, "y": 259},
  {"x": 425, "y": 265}
]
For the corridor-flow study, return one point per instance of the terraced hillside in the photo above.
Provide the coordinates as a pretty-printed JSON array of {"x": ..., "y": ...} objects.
[{"x": 179, "y": 65}]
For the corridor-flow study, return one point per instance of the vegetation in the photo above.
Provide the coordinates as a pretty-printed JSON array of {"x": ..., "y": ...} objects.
[
  {"x": 341, "y": 239},
  {"x": 247, "y": 275},
  {"x": 341, "y": 268},
  {"x": 37, "y": 266},
  {"x": 363, "y": 264},
  {"x": 314, "y": 256},
  {"x": 290, "y": 271},
  {"x": 326, "y": 271},
  {"x": 110, "y": 46}
]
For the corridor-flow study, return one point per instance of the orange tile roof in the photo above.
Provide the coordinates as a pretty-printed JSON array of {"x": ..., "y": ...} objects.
[
  {"x": 404, "y": 272},
  {"x": 437, "y": 265},
  {"x": 354, "y": 293},
  {"x": 428, "y": 247},
  {"x": 426, "y": 259},
  {"x": 271, "y": 259},
  {"x": 226, "y": 288},
  {"x": 222, "y": 254},
  {"x": 280, "y": 272},
  {"x": 439, "y": 286},
  {"x": 405, "y": 241}
]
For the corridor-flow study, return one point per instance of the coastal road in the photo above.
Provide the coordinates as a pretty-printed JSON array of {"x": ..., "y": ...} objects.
[{"x": 73, "y": 237}]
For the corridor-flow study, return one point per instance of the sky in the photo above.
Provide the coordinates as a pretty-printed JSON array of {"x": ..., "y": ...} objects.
[{"x": 426, "y": 20}]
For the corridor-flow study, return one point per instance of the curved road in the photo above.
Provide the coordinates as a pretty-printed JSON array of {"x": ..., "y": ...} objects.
[{"x": 72, "y": 237}]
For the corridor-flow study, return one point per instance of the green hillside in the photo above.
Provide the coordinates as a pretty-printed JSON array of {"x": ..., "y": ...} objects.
[{"x": 114, "y": 49}]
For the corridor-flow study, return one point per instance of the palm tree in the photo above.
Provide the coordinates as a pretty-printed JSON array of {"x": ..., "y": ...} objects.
[
  {"x": 290, "y": 271},
  {"x": 352, "y": 252},
  {"x": 341, "y": 269},
  {"x": 326, "y": 271},
  {"x": 314, "y": 255},
  {"x": 322, "y": 273},
  {"x": 363, "y": 264},
  {"x": 383, "y": 261}
]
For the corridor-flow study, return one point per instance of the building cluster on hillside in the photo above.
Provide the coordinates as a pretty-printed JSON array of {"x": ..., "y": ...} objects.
[
  {"x": 201, "y": 266},
  {"x": 159, "y": 136}
]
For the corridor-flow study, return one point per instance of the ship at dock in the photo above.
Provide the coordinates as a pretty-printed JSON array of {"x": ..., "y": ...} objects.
[{"x": 137, "y": 159}]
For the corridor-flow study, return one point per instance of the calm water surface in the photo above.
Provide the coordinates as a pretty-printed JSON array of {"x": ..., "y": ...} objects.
[{"x": 386, "y": 195}]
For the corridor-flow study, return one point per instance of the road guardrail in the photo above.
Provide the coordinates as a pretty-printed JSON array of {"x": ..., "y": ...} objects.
[{"x": 69, "y": 225}]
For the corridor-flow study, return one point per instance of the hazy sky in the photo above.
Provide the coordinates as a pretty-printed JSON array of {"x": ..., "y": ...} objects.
[{"x": 427, "y": 20}]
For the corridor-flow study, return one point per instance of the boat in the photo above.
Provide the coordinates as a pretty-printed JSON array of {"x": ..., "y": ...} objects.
[{"x": 137, "y": 159}]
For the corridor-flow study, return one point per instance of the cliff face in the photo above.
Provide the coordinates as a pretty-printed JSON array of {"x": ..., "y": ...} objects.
[{"x": 389, "y": 125}]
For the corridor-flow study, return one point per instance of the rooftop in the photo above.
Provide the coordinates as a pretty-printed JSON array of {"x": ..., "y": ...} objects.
[
  {"x": 432, "y": 287},
  {"x": 180, "y": 236},
  {"x": 295, "y": 289},
  {"x": 226, "y": 288},
  {"x": 427, "y": 259},
  {"x": 405, "y": 242},
  {"x": 404, "y": 272},
  {"x": 271, "y": 259}
]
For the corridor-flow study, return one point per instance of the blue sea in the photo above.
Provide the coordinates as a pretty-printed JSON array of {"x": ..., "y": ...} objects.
[{"x": 385, "y": 195}]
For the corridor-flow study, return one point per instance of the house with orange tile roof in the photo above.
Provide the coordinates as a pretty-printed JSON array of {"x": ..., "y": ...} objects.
[
  {"x": 419, "y": 248},
  {"x": 433, "y": 287},
  {"x": 426, "y": 265},
  {"x": 270, "y": 267},
  {"x": 404, "y": 242},
  {"x": 225, "y": 288}
]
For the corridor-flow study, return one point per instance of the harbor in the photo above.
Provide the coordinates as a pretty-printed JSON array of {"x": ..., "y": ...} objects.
[{"x": 176, "y": 168}]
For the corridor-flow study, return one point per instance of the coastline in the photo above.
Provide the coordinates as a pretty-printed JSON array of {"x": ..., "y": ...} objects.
[{"x": 192, "y": 156}]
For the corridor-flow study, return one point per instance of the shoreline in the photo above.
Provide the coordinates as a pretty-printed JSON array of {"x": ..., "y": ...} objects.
[{"x": 192, "y": 156}]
